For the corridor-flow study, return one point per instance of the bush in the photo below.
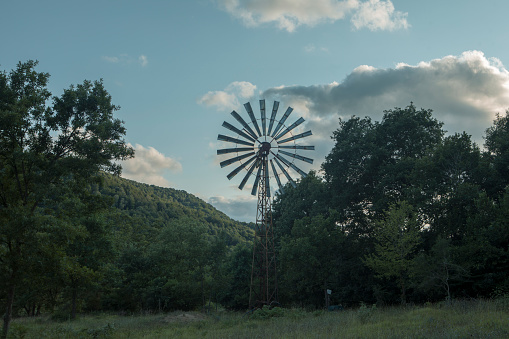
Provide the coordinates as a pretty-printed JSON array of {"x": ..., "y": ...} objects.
[
  {"x": 365, "y": 313},
  {"x": 266, "y": 312},
  {"x": 61, "y": 315}
]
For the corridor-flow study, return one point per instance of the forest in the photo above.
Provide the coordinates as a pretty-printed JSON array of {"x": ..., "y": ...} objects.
[{"x": 399, "y": 213}]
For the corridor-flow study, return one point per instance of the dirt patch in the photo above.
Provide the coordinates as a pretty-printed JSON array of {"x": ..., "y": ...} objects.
[{"x": 184, "y": 317}]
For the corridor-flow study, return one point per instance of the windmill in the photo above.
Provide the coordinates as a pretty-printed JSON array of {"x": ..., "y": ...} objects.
[{"x": 259, "y": 151}]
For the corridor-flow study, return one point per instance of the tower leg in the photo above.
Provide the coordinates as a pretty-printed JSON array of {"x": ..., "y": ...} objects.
[{"x": 264, "y": 288}]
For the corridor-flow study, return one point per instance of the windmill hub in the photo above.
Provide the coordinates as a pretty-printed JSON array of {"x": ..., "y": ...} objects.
[{"x": 265, "y": 148}]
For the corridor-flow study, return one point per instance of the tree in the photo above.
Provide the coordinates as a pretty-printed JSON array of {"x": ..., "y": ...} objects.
[
  {"x": 308, "y": 199},
  {"x": 180, "y": 257},
  {"x": 42, "y": 149},
  {"x": 236, "y": 294},
  {"x": 347, "y": 172},
  {"x": 437, "y": 268},
  {"x": 397, "y": 238},
  {"x": 372, "y": 164},
  {"x": 497, "y": 145},
  {"x": 450, "y": 177},
  {"x": 311, "y": 260}
]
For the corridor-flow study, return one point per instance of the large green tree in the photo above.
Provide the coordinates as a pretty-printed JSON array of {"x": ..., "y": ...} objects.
[
  {"x": 397, "y": 238},
  {"x": 307, "y": 199},
  {"x": 311, "y": 260},
  {"x": 372, "y": 164},
  {"x": 44, "y": 147}
]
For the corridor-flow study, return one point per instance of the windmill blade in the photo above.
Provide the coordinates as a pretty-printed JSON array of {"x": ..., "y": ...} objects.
[
  {"x": 244, "y": 124},
  {"x": 249, "y": 110},
  {"x": 295, "y": 137},
  {"x": 292, "y": 126},
  {"x": 282, "y": 121},
  {"x": 288, "y": 177},
  {"x": 287, "y": 163},
  {"x": 240, "y": 168},
  {"x": 308, "y": 148},
  {"x": 273, "y": 116},
  {"x": 248, "y": 174},
  {"x": 238, "y": 131},
  {"x": 232, "y": 160},
  {"x": 296, "y": 156},
  {"x": 267, "y": 184},
  {"x": 276, "y": 176},
  {"x": 262, "y": 111},
  {"x": 255, "y": 185},
  {"x": 233, "y": 150},
  {"x": 235, "y": 141}
]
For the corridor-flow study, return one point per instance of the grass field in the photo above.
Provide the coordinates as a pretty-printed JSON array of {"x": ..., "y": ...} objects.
[{"x": 460, "y": 319}]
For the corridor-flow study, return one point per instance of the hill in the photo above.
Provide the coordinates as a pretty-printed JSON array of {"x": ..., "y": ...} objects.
[{"x": 145, "y": 209}]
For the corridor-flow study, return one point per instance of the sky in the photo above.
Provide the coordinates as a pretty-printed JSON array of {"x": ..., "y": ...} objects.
[{"x": 178, "y": 68}]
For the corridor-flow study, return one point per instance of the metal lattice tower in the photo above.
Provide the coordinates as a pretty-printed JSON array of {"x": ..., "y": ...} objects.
[
  {"x": 264, "y": 147},
  {"x": 263, "y": 289}
]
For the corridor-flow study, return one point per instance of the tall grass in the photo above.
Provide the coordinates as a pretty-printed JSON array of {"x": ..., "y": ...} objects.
[{"x": 457, "y": 319}]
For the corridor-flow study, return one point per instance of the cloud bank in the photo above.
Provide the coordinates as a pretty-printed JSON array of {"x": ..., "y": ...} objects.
[
  {"x": 290, "y": 14},
  {"x": 465, "y": 92},
  {"x": 148, "y": 166}
]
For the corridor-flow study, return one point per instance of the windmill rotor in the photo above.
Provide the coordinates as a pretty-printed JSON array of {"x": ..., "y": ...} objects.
[{"x": 265, "y": 146}]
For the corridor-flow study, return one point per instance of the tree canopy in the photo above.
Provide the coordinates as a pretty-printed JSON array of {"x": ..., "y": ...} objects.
[
  {"x": 44, "y": 151},
  {"x": 369, "y": 180}
]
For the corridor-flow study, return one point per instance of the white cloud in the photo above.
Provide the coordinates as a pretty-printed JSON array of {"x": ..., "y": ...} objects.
[
  {"x": 289, "y": 14},
  {"x": 309, "y": 48},
  {"x": 228, "y": 99},
  {"x": 379, "y": 15},
  {"x": 125, "y": 59},
  {"x": 112, "y": 59},
  {"x": 464, "y": 92},
  {"x": 148, "y": 166},
  {"x": 143, "y": 60},
  {"x": 241, "y": 207}
]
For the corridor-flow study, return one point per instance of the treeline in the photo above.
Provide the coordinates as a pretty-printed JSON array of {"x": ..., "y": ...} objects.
[
  {"x": 74, "y": 237},
  {"x": 400, "y": 213},
  {"x": 136, "y": 248}
]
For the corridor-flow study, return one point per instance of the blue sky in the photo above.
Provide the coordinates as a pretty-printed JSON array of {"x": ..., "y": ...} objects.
[{"x": 178, "y": 68}]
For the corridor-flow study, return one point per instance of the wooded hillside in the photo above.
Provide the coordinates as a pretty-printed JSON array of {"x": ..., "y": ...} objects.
[{"x": 144, "y": 207}]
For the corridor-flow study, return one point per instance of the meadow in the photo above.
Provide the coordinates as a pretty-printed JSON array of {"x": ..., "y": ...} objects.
[{"x": 457, "y": 319}]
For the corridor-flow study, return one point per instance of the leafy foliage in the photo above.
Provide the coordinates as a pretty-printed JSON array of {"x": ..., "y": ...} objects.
[
  {"x": 452, "y": 242},
  {"x": 46, "y": 151}
]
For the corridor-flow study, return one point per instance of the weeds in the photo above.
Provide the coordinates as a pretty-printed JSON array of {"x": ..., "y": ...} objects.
[
  {"x": 365, "y": 313},
  {"x": 458, "y": 319}
]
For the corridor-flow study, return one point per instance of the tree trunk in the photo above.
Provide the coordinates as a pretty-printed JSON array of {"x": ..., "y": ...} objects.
[
  {"x": 8, "y": 310},
  {"x": 73, "y": 303},
  {"x": 403, "y": 291}
]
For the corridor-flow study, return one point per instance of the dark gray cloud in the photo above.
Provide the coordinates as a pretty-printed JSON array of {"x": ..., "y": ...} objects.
[{"x": 465, "y": 92}]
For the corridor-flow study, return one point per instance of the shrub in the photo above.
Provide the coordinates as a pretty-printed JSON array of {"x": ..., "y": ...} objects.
[{"x": 365, "y": 313}]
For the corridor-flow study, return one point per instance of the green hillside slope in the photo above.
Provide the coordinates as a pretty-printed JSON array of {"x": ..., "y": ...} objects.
[{"x": 145, "y": 209}]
